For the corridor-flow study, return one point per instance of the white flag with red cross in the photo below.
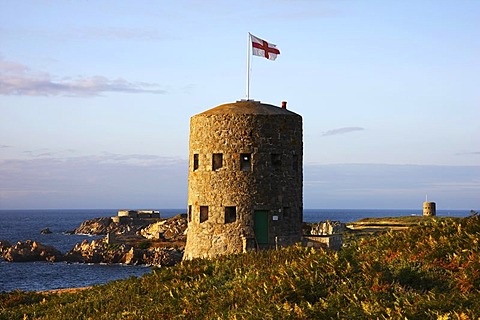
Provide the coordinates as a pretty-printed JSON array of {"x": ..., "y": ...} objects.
[{"x": 263, "y": 48}]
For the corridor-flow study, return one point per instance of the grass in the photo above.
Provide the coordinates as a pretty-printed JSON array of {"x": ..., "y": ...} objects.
[
  {"x": 429, "y": 271},
  {"x": 403, "y": 221}
]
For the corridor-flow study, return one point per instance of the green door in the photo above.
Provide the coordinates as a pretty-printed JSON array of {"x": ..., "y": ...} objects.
[{"x": 260, "y": 226}]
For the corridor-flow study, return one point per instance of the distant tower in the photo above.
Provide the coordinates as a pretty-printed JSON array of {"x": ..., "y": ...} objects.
[
  {"x": 245, "y": 179},
  {"x": 429, "y": 209}
]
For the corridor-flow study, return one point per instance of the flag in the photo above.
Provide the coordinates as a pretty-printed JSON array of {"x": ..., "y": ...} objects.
[{"x": 263, "y": 48}]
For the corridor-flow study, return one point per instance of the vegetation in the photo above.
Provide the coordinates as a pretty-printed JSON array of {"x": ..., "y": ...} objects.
[
  {"x": 145, "y": 244},
  {"x": 428, "y": 271},
  {"x": 402, "y": 221}
]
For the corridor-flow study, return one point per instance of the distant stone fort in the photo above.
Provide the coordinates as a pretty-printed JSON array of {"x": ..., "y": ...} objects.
[
  {"x": 245, "y": 179},
  {"x": 128, "y": 215},
  {"x": 429, "y": 209}
]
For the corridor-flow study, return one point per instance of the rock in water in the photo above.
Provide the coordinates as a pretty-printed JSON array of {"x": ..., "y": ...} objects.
[
  {"x": 45, "y": 231},
  {"x": 99, "y": 251},
  {"x": 29, "y": 250},
  {"x": 4, "y": 246}
]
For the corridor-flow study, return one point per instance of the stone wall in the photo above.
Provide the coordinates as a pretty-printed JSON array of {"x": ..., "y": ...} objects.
[
  {"x": 261, "y": 169},
  {"x": 332, "y": 241}
]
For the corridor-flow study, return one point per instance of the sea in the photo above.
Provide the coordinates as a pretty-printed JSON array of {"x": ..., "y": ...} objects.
[{"x": 21, "y": 225}]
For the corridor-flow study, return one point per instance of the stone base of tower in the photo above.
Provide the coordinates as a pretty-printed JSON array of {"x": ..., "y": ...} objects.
[{"x": 213, "y": 241}]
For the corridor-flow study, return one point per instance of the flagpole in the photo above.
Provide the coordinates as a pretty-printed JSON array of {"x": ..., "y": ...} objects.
[{"x": 248, "y": 66}]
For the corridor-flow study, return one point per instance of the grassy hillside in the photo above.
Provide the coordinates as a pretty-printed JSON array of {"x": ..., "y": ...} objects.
[{"x": 428, "y": 271}]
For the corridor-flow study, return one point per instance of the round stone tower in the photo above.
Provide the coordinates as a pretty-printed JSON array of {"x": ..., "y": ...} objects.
[
  {"x": 245, "y": 179},
  {"x": 429, "y": 209}
]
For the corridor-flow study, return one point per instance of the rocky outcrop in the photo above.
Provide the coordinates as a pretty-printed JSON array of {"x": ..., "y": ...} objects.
[
  {"x": 96, "y": 251},
  {"x": 25, "y": 251},
  {"x": 173, "y": 229},
  {"x": 162, "y": 256},
  {"x": 134, "y": 241},
  {"x": 131, "y": 241},
  {"x": 99, "y": 251},
  {"x": 96, "y": 226},
  {"x": 105, "y": 225}
]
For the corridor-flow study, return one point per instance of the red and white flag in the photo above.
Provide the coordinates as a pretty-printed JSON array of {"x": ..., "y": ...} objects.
[{"x": 263, "y": 48}]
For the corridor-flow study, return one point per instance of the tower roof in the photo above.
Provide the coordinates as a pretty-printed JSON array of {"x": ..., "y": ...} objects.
[{"x": 248, "y": 107}]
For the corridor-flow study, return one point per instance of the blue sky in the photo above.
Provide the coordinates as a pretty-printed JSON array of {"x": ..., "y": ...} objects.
[{"x": 96, "y": 96}]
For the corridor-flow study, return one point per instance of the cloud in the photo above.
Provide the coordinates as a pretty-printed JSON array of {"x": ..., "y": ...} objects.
[
  {"x": 18, "y": 79},
  {"x": 338, "y": 131},
  {"x": 97, "y": 181},
  {"x": 4, "y": 146}
]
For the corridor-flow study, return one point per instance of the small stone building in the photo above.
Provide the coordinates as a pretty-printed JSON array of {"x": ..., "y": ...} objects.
[
  {"x": 245, "y": 179},
  {"x": 327, "y": 234}
]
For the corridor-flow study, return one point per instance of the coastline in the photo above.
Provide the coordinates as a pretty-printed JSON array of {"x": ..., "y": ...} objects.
[{"x": 45, "y": 276}]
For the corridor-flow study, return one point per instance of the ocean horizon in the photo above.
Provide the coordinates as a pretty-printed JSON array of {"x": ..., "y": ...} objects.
[{"x": 20, "y": 225}]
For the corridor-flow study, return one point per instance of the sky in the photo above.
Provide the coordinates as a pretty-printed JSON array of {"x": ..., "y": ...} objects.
[{"x": 96, "y": 97}]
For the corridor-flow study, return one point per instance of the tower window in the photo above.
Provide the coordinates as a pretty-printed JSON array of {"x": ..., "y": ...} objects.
[
  {"x": 230, "y": 214},
  {"x": 195, "y": 162},
  {"x": 245, "y": 161},
  {"x": 203, "y": 213},
  {"x": 276, "y": 160},
  {"x": 189, "y": 213},
  {"x": 217, "y": 161}
]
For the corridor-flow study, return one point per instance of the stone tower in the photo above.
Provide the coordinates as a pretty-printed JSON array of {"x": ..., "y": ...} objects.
[
  {"x": 245, "y": 179},
  {"x": 429, "y": 209}
]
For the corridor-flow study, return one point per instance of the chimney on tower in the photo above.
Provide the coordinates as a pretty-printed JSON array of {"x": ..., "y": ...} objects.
[{"x": 284, "y": 104}]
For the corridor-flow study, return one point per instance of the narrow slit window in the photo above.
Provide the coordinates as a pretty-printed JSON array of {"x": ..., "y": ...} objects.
[
  {"x": 217, "y": 161},
  {"x": 203, "y": 213},
  {"x": 230, "y": 214},
  {"x": 189, "y": 215},
  {"x": 245, "y": 161},
  {"x": 195, "y": 162},
  {"x": 276, "y": 160}
]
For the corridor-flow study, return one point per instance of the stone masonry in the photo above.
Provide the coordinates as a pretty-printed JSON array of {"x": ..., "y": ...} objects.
[{"x": 245, "y": 179}]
